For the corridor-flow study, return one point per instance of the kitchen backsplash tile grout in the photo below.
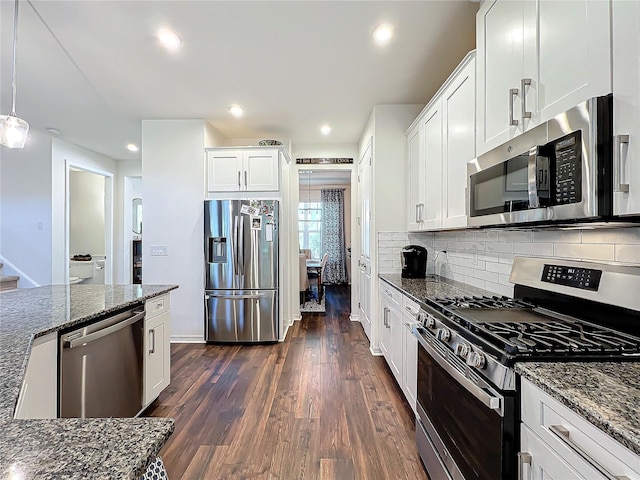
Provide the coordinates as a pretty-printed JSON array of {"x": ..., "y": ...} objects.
[{"x": 483, "y": 258}]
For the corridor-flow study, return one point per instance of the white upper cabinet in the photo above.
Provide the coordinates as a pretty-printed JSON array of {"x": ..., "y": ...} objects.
[
  {"x": 415, "y": 178},
  {"x": 230, "y": 170},
  {"x": 439, "y": 144},
  {"x": 458, "y": 119},
  {"x": 537, "y": 59},
  {"x": 626, "y": 107},
  {"x": 364, "y": 179},
  {"x": 430, "y": 214}
]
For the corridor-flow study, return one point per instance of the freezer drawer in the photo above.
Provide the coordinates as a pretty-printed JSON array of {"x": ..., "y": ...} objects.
[{"x": 241, "y": 316}]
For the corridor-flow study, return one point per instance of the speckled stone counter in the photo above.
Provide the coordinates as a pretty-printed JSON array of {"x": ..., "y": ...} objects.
[
  {"x": 68, "y": 448},
  {"x": 606, "y": 394},
  {"x": 430, "y": 287}
]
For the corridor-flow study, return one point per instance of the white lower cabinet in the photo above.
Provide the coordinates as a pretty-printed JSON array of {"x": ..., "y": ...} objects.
[
  {"x": 397, "y": 342},
  {"x": 557, "y": 443},
  {"x": 39, "y": 392},
  {"x": 157, "y": 348}
]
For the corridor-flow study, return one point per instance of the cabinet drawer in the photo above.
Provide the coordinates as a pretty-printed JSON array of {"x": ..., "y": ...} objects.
[
  {"x": 575, "y": 439},
  {"x": 391, "y": 293},
  {"x": 410, "y": 307},
  {"x": 155, "y": 306}
]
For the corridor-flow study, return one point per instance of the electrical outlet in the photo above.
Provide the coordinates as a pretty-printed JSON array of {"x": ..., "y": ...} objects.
[{"x": 159, "y": 251}]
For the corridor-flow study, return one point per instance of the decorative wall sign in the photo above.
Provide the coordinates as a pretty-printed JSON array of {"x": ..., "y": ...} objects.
[{"x": 323, "y": 161}]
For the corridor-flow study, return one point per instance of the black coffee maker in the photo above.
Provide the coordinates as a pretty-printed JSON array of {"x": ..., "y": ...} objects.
[{"x": 414, "y": 261}]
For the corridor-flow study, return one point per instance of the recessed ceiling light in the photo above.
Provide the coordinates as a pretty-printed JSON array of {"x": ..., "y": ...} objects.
[
  {"x": 169, "y": 39},
  {"x": 132, "y": 147},
  {"x": 53, "y": 131},
  {"x": 236, "y": 110},
  {"x": 325, "y": 129},
  {"x": 382, "y": 33}
]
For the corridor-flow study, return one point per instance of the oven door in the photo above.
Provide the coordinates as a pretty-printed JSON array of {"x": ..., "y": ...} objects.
[{"x": 468, "y": 425}]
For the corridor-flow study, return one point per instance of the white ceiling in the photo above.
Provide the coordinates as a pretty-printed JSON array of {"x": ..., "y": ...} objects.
[{"x": 94, "y": 70}]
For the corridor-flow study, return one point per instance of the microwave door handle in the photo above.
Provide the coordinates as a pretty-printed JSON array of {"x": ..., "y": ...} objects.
[{"x": 532, "y": 176}]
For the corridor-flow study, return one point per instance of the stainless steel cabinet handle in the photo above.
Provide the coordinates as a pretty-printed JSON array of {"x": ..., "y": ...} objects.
[
  {"x": 512, "y": 94},
  {"x": 245, "y": 179},
  {"x": 421, "y": 213},
  {"x": 239, "y": 184},
  {"x": 620, "y": 141},
  {"x": 524, "y": 458},
  {"x": 411, "y": 311},
  {"x": 563, "y": 434},
  {"x": 152, "y": 340},
  {"x": 417, "y": 212},
  {"x": 525, "y": 82}
]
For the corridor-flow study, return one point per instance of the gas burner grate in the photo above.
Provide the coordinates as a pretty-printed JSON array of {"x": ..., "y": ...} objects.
[{"x": 481, "y": 302}]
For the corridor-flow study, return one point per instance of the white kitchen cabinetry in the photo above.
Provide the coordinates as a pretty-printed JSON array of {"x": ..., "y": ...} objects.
[
  {"x": 238, "y": 170},
  {"x": 39, "y": 392},
  {"x": 440, "y": 142},
  {"x": 537, "y": 59},
  {"x": 626, "y": 107},
  {"x": 415, "y": 176},
  {"x": 391, "y": 333},
  {"x": 409, "y": 385},
  {"x": 157, "y": 348},
  {"x": 364, "y": 304},
  {"x": 558, "y": 443}
]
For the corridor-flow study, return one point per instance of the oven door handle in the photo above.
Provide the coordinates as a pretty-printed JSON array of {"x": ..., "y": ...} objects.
[{"x": 484, "y": 393}]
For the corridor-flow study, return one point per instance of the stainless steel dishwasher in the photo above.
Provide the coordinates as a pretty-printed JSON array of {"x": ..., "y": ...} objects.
[{"x": 101, "y": 368}]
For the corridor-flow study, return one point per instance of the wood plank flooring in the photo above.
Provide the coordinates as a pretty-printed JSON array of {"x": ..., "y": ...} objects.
[{"x": 317, "y": 406}]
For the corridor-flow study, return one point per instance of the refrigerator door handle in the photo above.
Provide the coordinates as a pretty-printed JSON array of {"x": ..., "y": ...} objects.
[
  {"x": 241, "y": 246},
  {"x": 236, "y": 250},
  {"x": 241, "y": 297}
]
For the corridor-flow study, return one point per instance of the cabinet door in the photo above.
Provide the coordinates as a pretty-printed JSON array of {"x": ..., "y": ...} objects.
[
  {"x": 410, "y": 362},
  {"x": 626, "y": 110},
  {"x": 157, "y": 356},
  {"x": 573, "y": 58},
  {"x": 431, "y": 213},
  {"x": 364, "y": 285},
  {"x": 385, "y": 326},
  {"x": 364, "y": 175},
  {"x": 261, "y": 170},
  {"x": 224, "y": 171},
  {"x": 415, "y": 180},
  {"x": 396, "y": 337},
  {"x": 544, "y": 462},
  {"x": 500, "y": 33},
  {"x": 458, "y": 118},
  {"x": 38, "y": 396}
]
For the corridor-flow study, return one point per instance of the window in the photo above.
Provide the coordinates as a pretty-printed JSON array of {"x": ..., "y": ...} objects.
[{"x": 310, "y": 227}]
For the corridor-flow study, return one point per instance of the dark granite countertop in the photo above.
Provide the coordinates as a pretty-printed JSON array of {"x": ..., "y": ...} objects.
[
  {"x": 68, "y": 448},
  {"x": 607, "y": 394},
  {"x": 432, "y": 286}
]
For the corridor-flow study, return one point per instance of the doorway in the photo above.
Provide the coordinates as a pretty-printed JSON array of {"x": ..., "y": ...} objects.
[
  {"x": 324, "y": 233},
  {"x": 89, "y": 226}
]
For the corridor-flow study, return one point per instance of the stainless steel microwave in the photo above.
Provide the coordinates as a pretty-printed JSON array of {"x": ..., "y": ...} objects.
[{"x": 559, "y": 171}]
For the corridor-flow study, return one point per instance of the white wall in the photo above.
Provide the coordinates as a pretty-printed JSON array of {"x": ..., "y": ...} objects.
[
  {"x": 63, "y": 154},
  {"x": 173, "y": 172},
  {"x": 25, "y": 206},
  {"x": 86, "y": 213}
]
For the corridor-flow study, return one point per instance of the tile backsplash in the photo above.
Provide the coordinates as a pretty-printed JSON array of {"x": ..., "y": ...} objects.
[{"x": 483, "y": 258}]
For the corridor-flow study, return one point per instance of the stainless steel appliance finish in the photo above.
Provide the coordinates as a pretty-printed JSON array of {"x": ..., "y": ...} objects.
[
  {"x": 241, "y": 271},
  {"x": 560, "y": 171},
  {"x": 101, "y": 368},
  {"x": 563, "y": 310}
]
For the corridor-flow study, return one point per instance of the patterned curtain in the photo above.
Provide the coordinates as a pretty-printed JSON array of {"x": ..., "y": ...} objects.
[{"x": 333, "y": 236}]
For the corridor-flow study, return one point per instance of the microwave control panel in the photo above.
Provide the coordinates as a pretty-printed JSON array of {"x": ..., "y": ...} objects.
[{"x": 567, "y": 169}]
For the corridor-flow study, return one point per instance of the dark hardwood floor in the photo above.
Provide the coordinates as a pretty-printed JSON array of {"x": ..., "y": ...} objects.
[{"x": 317, "y": 406}]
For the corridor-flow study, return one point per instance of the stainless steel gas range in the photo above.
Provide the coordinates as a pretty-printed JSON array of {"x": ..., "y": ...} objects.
[{"x": 468, "y": 398}]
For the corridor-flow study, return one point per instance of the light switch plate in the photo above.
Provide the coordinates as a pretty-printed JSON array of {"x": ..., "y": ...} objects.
[{"x": 159, "y": 251}]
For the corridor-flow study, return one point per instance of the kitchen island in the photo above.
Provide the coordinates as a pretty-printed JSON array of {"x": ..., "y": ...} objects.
[{"x": 68, "y": 448}]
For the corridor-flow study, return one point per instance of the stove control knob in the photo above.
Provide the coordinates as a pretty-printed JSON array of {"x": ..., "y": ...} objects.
[
  {"x": 443, "y": 334},
  {"x": 430, "y": 322},
  {"x": 462, "y": 350},
  {"x": 477, "y": 360}
]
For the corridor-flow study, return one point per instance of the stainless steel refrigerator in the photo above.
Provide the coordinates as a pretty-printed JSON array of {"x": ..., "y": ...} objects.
[{"x": 241, "y": 271}]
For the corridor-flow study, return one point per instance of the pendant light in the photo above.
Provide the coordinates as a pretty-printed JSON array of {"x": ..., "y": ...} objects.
[{"x": 13, "y": 130}]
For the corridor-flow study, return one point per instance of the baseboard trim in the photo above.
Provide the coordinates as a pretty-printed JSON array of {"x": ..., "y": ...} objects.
[
  {"x": 187, "y": 339},
  {"x": 375, "y": 351},
  {"x": 354, "y": 318},
  {"x": 297, "y": 318},
  {"x": 25, "y": 280}
]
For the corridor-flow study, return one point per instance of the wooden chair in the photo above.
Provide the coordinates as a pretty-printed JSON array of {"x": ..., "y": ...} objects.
[{"x": 304, "y": 277}]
